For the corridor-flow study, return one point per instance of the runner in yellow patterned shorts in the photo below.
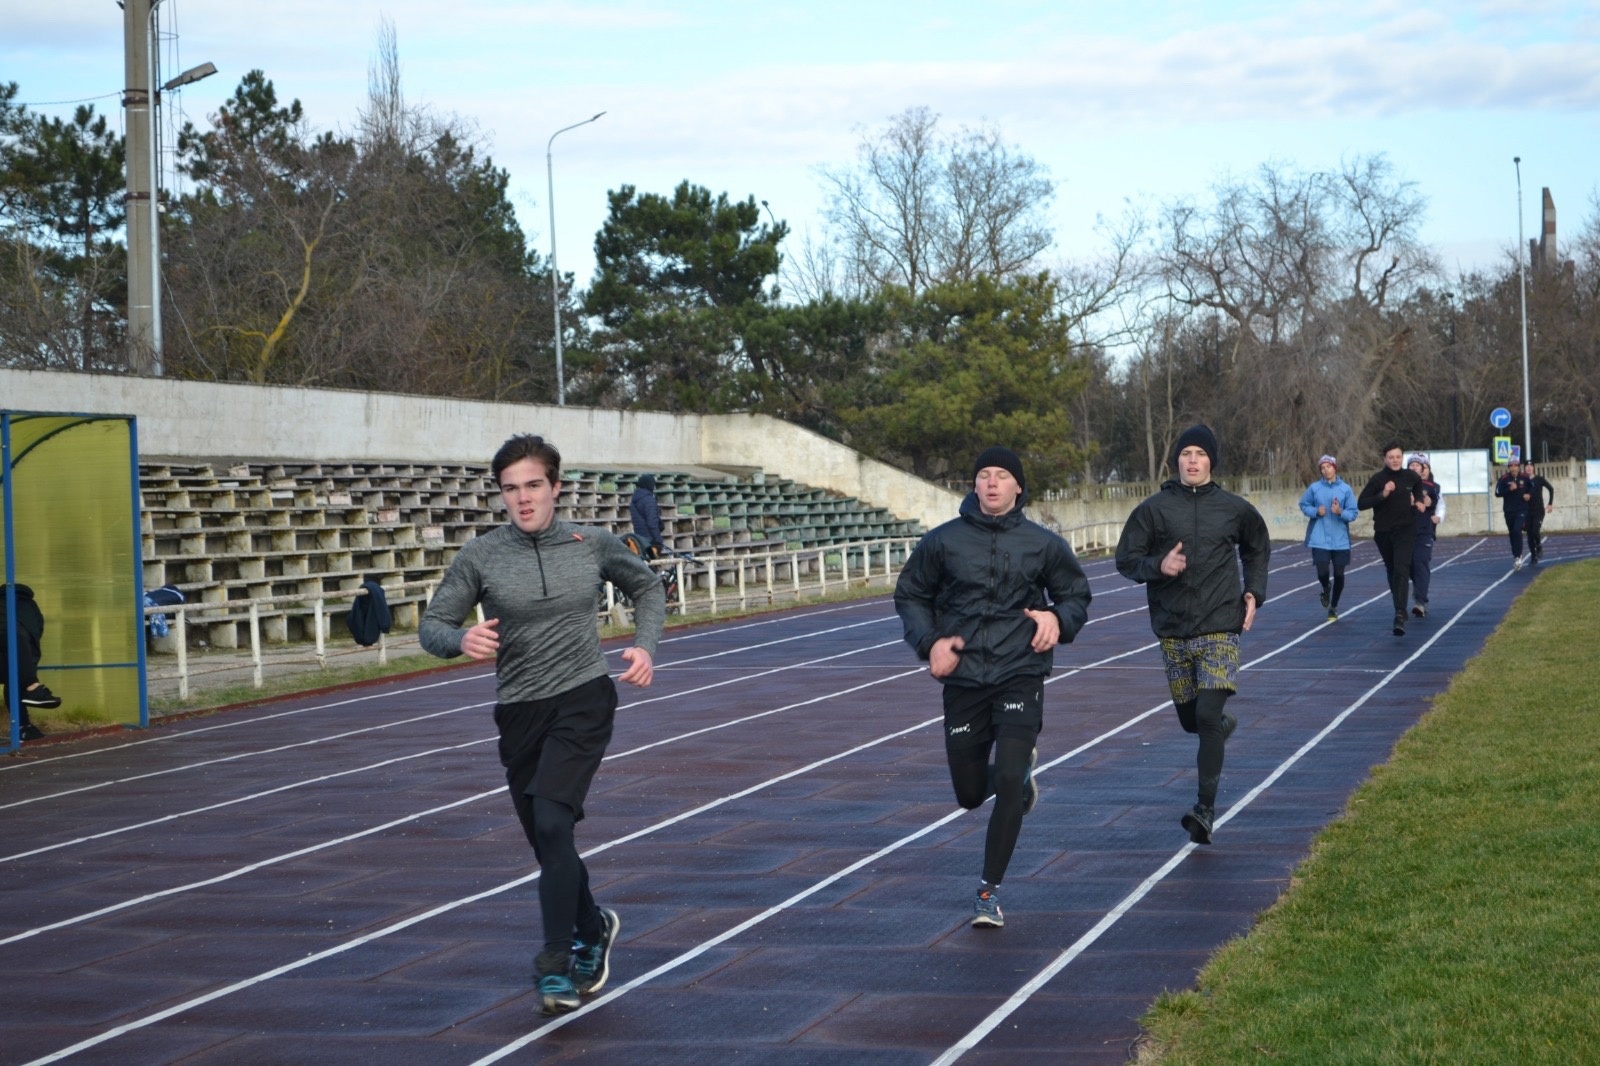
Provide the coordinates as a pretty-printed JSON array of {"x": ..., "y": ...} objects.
[
  {"x": 1195, "y": 663},
  {"x": 1187, "y": 545}
]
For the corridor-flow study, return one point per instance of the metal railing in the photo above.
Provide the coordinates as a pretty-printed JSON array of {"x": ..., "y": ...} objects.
[{"x": 705, "y": 583}]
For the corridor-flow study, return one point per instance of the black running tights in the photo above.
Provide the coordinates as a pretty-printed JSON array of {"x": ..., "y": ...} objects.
[
  {"x": 975, "y": 781},
  {"x": 563, "y": 882},
  {"x": 1203, "y": 715}
]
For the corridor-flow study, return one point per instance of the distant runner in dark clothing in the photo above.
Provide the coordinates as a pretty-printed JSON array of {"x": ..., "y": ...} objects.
[{"x": 1395, "y": 497}]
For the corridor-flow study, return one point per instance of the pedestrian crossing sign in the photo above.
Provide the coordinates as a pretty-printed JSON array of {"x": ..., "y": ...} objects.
[{"x": 1502, "y": 450}]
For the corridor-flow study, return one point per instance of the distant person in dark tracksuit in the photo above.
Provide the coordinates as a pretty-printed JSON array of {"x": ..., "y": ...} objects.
[
  {"x": 30, "y": 636},
  {"x": 1428, "y": 521},
  {"x": 646, "y": 515},
  {"x": 985, "y": 598},
  {"x": 1538, "y": 488},
  {"x": 555, "y": 701},
  {"x": 1394, "y": 496},
  {"x": 1514, "y": 499}
]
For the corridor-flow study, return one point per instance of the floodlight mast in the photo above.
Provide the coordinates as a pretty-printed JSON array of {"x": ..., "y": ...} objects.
[{"x": 139, "y": 102}]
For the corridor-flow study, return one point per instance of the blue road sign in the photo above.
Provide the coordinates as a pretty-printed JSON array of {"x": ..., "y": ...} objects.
[
  {"x": 1502, "y": 450},
  {"x": 1499, "y": 418}
]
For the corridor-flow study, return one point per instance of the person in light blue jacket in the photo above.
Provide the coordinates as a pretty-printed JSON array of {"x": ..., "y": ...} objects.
[{"x": 1330, "y": 506}]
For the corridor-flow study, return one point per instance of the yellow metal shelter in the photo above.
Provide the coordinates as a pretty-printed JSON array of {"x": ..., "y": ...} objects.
[{"x": 70, "y": 512}]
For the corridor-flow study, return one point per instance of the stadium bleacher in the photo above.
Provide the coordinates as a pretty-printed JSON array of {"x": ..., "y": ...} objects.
[{"x": 227, "y": 534}]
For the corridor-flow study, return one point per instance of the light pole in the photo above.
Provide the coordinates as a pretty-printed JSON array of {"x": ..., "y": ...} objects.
[
  {"x": 1522, "y": 292},
  {"x": 140, "y": 99},
  {"x": 555, "y": 272}
]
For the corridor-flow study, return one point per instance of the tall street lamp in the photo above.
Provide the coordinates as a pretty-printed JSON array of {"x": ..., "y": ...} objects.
[
  {"x": 555, "y": 271},
  {"x": 1522, "y": 293},
  {"x": 140, "y": 99}
]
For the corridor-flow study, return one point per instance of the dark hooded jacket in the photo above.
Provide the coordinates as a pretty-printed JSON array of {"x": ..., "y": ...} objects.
[
  {"x": 646, "y": 513},
  {"x": 973, "y": 576},
  {"x": 1218, "y": 530}
]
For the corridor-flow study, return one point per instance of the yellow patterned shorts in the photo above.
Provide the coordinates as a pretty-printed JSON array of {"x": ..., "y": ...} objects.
[{"x": 1193, "y": 663}]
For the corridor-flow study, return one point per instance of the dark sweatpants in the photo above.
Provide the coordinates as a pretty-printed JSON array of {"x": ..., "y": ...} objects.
[
  {"x": 1515, "y": 520},
  {"x": 551, "y": 749},
  {"x": 1534, "y": 522},
  {"x": 1395, "y": 546},
  {"x": 1421, "y": 568}
]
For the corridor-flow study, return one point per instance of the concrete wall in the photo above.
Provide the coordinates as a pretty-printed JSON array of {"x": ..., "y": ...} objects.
[
  {"x": 201, "y": 420},
  {"x": 204, "y": 420}
]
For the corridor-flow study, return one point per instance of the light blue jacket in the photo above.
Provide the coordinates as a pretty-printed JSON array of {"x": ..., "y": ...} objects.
[{"x": 1331, "y": 531}]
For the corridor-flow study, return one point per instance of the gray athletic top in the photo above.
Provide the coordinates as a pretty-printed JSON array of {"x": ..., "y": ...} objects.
[{"x": 543, "y": 588}]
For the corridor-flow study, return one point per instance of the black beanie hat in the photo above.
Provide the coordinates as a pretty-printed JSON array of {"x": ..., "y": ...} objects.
[
  {"x": 1005, "y": 459},
  {"x": 1202, "y": 437}
]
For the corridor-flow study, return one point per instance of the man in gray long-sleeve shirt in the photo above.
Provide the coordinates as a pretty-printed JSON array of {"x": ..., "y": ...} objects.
[{"x": 555, "y": 704}]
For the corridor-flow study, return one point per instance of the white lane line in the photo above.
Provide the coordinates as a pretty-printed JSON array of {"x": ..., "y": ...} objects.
[
  {"x": 1044, "y": 976},
  {"x": 445, "y": 908},
  {"x": 500, "y": 791},
  {"x": 388, "y": 762},
  {"x": 244, "y": 755},
  {"x": 319, "y": 779},
  {"x": 186, "y": 733},
  {"x": 779, "y": 908}
]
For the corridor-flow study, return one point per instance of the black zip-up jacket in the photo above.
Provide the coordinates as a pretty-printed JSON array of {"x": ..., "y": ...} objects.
[
  {"x": 1218, "y": 530},
  {"x": 1538, "y": 486},
  {"x": 1511, "y": 488},
  {"x": 973, "y": 576},
  {"x": 1397, "y": 511}
]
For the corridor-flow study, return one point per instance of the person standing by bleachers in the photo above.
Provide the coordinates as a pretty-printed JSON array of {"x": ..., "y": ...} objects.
[
  {"x": 646, "y": 515},
  {"x": 985, "y": 598},
  {"x": 30, "y": 636},
  {"x": 555, "y": 702}
]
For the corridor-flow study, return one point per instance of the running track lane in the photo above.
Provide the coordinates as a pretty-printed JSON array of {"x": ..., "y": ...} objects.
[{"x": 340, "y": 878}]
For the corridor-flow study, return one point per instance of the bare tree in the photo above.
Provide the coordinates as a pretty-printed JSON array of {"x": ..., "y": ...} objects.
[
  {"x": 919, "y": 208},
  {"x": 1311, "y": 270}
]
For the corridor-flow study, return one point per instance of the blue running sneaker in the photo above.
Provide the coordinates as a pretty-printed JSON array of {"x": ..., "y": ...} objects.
[
  {"x": 986, "y": 910},
  {"x": 556, "y": 994},
  {"x": 591, "y": 963}
]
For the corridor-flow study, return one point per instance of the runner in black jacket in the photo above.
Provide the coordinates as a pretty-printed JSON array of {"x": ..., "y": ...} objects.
[
  {"x": 984, "y": 599},
  {"x": 1395, "y": 497},
  {"x": 1537, "y": 488},
  {"x": 1185, "y": 544}
]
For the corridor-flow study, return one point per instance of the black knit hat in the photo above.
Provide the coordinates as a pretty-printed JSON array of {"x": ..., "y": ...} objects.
[
  {"x": 1198, "y": 436},
  {"x": 1005, "y": 459}
]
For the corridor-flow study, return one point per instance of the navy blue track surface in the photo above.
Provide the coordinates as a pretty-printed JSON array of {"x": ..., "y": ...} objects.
[{"x": 341, "y": 879}]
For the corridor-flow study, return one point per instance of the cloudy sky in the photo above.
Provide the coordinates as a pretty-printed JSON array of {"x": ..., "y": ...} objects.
[{"x": 1133, "y": 101}]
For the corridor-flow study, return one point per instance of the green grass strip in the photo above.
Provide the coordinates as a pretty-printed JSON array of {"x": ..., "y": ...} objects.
[{"x": 1452, "y": 914}]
